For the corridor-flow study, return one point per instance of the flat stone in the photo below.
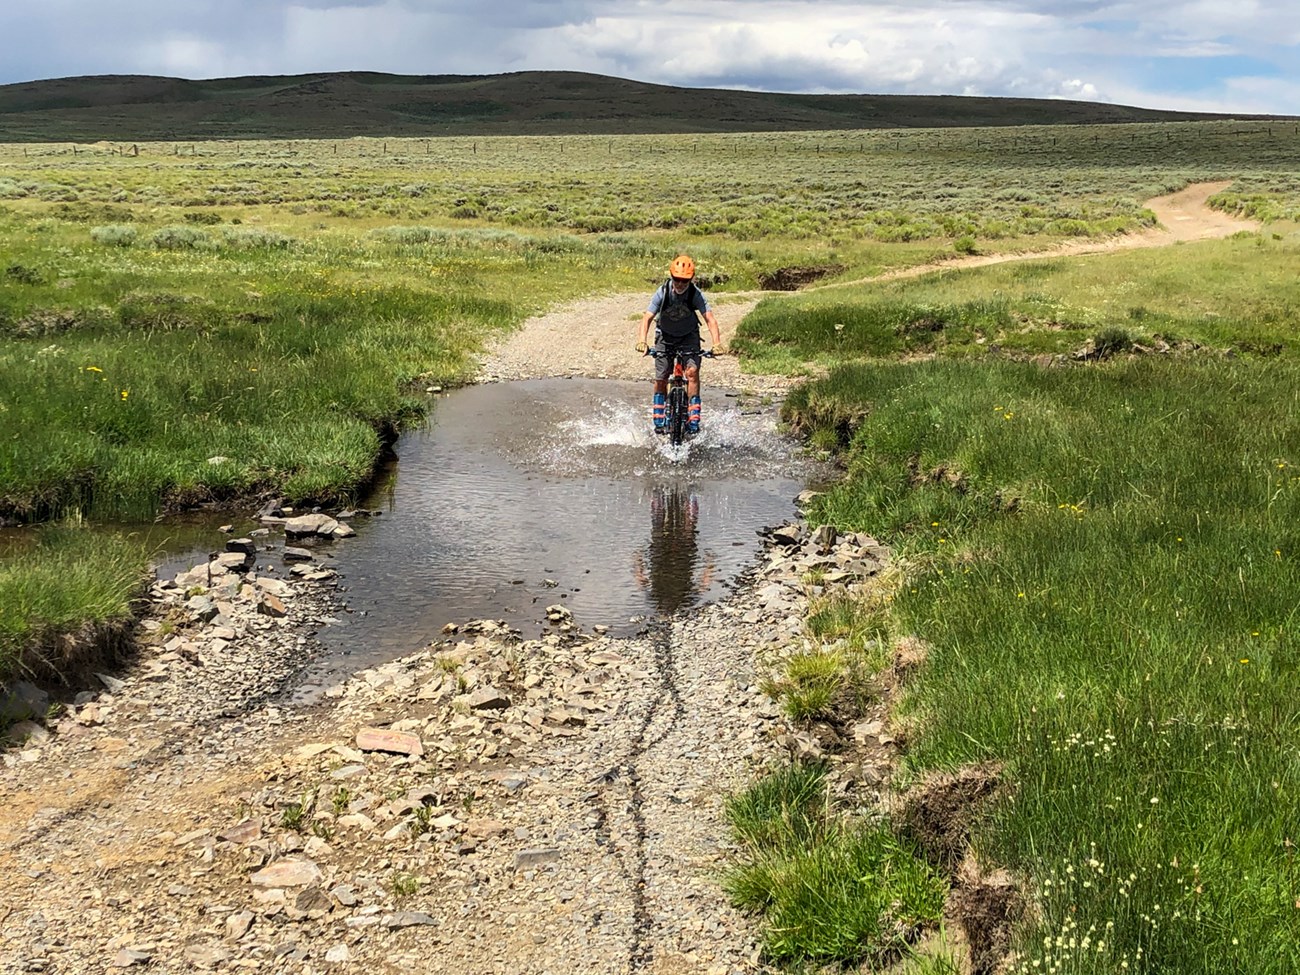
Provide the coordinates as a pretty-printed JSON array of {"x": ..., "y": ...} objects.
[
  {"x": 238, "y": 925},
  {"x": 407, "y": 919},
  {"x": 382, "y": 740},
  {"x": 536, "y": 857},
  {"x": 287, "y": 873},
  {"x": 246, "y": 832},
  {"x": 206, "y": 956},
  {"x": 487, "y": 699},
  {"x": 270, "y": 605},
  {"x": 317, "y": 524},
  {"x": 128, "y": 957}
]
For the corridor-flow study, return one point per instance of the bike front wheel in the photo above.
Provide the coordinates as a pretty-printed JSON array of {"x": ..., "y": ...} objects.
[{"x": 677, "y": 420}]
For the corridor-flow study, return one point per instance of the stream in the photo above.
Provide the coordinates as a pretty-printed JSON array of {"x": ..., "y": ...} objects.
[{"x": 519, "y": 496}]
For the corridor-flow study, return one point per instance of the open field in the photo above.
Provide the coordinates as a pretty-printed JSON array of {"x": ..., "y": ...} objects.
[
  {"x": 1098, "y": 552},
  {"x": 331, "y": 283},
  {"x": 837, "y": 188}
]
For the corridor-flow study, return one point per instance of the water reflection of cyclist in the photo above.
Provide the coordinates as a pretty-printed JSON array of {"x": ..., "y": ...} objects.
[{"x": 671, "y": 568}]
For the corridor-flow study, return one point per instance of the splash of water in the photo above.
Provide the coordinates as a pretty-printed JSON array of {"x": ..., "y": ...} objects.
[{"x": 614, "y": 438}]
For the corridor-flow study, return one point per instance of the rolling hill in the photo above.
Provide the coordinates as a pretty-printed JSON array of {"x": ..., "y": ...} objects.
[{"x": 344, "y": 104}]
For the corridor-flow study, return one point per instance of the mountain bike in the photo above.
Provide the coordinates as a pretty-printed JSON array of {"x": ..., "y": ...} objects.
[{"x": 677, "y": 406}]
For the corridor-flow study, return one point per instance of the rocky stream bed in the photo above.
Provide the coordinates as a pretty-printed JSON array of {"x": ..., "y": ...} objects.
[{"x": 487, "y": 804}]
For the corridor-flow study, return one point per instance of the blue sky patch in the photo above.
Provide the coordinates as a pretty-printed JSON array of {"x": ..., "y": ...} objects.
[{"x": 1197, "y": 74}]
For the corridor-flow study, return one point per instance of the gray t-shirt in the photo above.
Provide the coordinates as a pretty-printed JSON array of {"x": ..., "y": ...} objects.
[{"x": 677, "y": 312}]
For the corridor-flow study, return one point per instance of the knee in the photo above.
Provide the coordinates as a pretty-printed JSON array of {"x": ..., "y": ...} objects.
[{"x": 692, "y": 372}]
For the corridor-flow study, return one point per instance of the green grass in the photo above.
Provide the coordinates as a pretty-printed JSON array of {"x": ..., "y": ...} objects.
[
  {"x": 64, "y": 580},
  {"x": 1104, "y": 560},
  {"x": 828, "y": 890},
  {"x": 1237, "y": 294}
]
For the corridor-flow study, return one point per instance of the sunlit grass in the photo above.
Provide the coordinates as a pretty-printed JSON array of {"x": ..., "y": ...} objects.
[
  {"x": 66, "y": 580},
  {"x": 1104, "y": 560},
  {"x": 1237, "y": 294},
  {"x": 829, "y": 890}
]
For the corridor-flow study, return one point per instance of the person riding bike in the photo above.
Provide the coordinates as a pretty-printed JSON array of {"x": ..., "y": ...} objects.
[{"x": 677, "y": 303}]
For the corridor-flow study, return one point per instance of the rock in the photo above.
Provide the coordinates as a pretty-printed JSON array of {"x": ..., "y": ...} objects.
[
  {"x": 287, "y": 873},
  {"x": 398, "y": 742},
  {"x": 111, "y": 684},
  {"x": 235, "y": 561},
  {"x": 338, "y": 954},
  {"x": 293, "y": 554},
  {"x": 23, "y": 700},
  {"x": 245, "y": 545},
  {"x": 407, "y": 919},
  {"x": 27, "y": 731},
  {"x": 316, "y": 524},
  {"x": 344, "y": 895},
  {"x": 866, "y": 729},
  {"x": 129, "y": 957},
  {"x": 238, "y": 925},
  {"x": 484, "y": 829},
  {"x": 787, "y": 534},
  {"x": 246, "y": 832},
  {"x": 206, "y": 956},
  {"x": 202, "y": 608},
  {"x": 487, "y": 699},
  {"x": 532, "y": 858},
  {"x": 313, "y": 902},
  {"x": 270, "y": 605}
]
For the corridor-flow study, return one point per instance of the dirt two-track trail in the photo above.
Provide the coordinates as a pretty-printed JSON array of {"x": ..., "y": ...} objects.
[
  {"x": 532, "y": 806},
  {"x": 594, "y": 337}
]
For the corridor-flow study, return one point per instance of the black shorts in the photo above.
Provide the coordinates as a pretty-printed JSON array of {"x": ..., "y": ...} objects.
[{"x": 689, "y": 345}]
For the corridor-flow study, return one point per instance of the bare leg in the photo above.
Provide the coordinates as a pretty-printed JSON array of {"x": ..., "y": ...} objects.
[{"x": 692, "y": 381}]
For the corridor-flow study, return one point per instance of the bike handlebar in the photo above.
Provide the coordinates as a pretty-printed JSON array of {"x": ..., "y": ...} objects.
[{"x": 656, "y": 354}]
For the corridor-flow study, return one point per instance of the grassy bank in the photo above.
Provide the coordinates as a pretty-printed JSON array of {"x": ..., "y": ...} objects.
[
  {"x": 1232, "y": 294},
  {"x": 67, "y": 581},
  {"x": 1104, "y": 560}
]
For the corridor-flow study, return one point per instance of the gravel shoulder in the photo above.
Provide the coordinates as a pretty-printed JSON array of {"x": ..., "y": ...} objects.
[{"x": 486, "y": 805}]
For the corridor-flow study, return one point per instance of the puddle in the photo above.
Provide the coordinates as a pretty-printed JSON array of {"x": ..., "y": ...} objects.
[{"x": 519, "y": 496}]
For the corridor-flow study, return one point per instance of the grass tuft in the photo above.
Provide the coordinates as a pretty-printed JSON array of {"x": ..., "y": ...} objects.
[{"x": 829, "y": 891}]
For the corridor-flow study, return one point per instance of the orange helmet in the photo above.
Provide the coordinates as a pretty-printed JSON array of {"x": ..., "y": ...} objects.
[{"x": 682, "y": 267}]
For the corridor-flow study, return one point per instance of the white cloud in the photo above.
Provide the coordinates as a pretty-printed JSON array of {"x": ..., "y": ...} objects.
[
  {"x": 1089, "y": 49},
  {"x": 189, "y": 57},
  {"x": 1079, "y": 90}
]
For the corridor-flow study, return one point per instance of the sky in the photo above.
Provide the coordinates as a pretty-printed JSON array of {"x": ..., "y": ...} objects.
[{"x": 1194, "y": 55}]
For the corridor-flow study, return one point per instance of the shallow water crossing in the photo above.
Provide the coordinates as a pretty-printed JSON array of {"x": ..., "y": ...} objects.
[{"x": 519, "y": 496}]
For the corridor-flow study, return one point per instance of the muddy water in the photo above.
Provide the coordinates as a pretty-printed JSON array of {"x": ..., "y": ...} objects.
[{"x": 520, "y": 496}]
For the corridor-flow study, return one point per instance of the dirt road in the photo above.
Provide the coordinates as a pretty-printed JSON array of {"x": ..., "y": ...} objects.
[{"x": 594, "y": 337}]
